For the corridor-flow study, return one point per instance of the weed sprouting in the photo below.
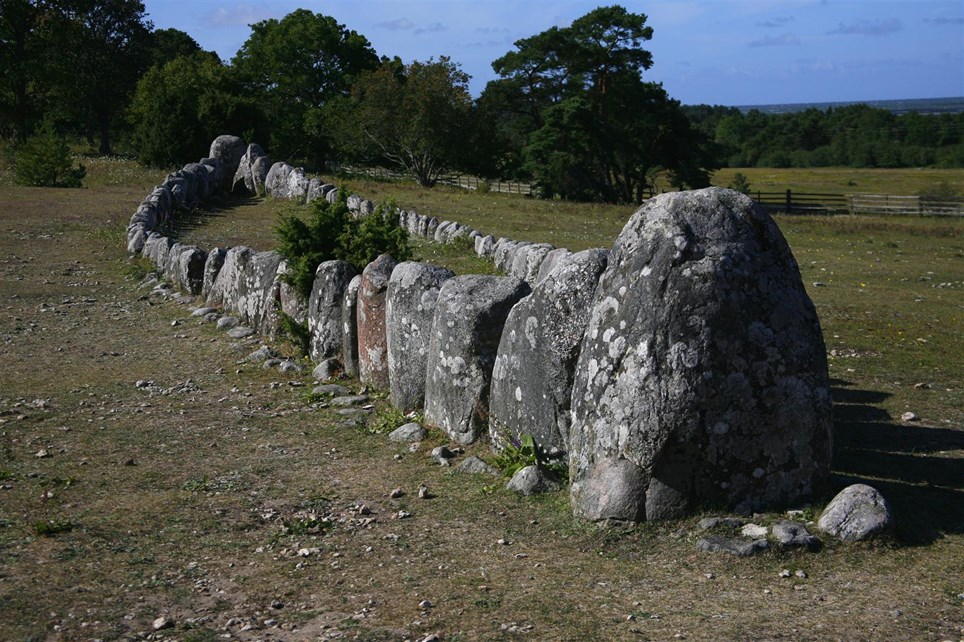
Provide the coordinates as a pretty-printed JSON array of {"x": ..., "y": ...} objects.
[
  {"x": 524, "y": 451},
  {"x": 51, "y": 527}
]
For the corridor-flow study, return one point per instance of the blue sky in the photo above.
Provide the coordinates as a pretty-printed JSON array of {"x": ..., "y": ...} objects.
[{"x": 727, "y": 52}]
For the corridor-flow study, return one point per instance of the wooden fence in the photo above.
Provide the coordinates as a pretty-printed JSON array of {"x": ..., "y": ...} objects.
[{"x": 790, "y": 202}]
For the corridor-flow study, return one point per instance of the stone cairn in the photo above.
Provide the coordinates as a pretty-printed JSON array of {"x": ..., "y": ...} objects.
[{"x": 684, "y": 368}]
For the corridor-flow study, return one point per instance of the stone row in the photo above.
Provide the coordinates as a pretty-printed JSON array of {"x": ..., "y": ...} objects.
[{"x": 683, "y": 368}]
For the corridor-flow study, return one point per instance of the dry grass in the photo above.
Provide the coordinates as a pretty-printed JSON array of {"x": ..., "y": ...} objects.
[{"x": 194, "y": 504}]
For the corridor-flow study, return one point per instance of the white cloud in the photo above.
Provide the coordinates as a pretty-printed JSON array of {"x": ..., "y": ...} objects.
[
  {"x": 868, "y": 28},
  {"x": 401, "y": 24},
  {"x": 236, "y": 16},
  {"x": 786, "y": 40},
  {"x": 435, "y": 27}
]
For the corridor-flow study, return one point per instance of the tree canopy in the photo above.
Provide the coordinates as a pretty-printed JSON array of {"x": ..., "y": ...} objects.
[
  {"x": 415, "y": 117},
  {"x": 580, "y": 119},
  {"x": 295, "y": 66}
]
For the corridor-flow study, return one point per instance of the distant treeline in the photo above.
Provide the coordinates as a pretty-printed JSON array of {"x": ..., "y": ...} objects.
[{"x": 851, "y": 136}]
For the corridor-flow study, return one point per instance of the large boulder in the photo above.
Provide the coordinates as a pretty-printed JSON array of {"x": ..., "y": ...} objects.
[
  {"x": 243, "y": 182},
  {"x": 324, "y": 308},
  {"x": 259, "y": 174},
  {"x": 248, "y": 283},
  {"x": 156, "y": 249},
  {"x": 228, "y": 150},
  {"x": 372, "y": 335},
  {"x": 536, "y": 363},
  {"x": 703, "y": 363},
  {"x": 856, "y": 513},
  {"x": 276, "y": 182},
  {"x": 469, "y": 315},
  {"x": 185, "y": 267},
  {"x": 410, "y": 309},
  {"x": 291, "y": 301},
  {"x": 349, "y": 327},
  {"x": 527, "y": 261},
  {"x": 212, "y": 266}
]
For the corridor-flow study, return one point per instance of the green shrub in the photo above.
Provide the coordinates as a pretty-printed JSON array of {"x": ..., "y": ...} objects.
[
  {"x": 330, "y": 232},
  {"x": 740, "y": 183},
  {"x": 45, "y": 161},
  {"x": 306, "y": 243},
  {"x": 365, "y": 240}
]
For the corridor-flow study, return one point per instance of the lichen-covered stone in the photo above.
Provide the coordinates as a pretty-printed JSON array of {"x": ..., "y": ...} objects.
[
  {"x": 410, "y": 308},
  {"x": 248, "y": 284},
  {"x": 856, "y": 513},
  {"x": 553, "y": 258},
  {"x": 228, "y": 150},
  {"x": 535, "y": 367},
  {"x": 244, "y": 181},
  {"x": 372, "y": 335},
  {"x": 291, "y": 301},
  {"x": 156, "y": 249},
  {"x": 276, "y": 182},
  {"x": 212, "y": 265},
  {"x": 324, "y": 308},
  {"x": 349, "y": 327},
  {"x": 469, "y": 315},
  {"x": 703, "y": 362},
  {"x": 185, "y": 267},
  {"x": 527, "y": 261}
]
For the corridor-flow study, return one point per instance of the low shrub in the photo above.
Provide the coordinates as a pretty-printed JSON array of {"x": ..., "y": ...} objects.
[{"x": 45, "y": 161}]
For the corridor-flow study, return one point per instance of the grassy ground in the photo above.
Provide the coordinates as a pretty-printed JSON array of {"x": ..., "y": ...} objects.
[
  {"x": 219, "y": 498},
  {"x": 844, "y": 180}
]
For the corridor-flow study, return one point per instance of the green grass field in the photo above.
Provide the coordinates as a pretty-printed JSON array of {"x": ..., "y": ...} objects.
[{"x": 221, "y": 498}]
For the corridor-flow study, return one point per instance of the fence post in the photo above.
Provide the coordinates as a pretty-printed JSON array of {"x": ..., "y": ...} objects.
[{"x": 789, "y": 202}]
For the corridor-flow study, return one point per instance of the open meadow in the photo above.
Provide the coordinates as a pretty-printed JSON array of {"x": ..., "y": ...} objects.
[{"x": 154, "y": 485}]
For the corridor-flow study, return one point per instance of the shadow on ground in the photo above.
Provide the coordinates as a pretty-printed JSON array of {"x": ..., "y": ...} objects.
[{"x": 918, "y": 468}]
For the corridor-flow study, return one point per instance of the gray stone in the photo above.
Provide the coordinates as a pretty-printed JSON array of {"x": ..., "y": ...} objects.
[
  {"x": 244, "y": 181},
  {"x": 794, "y": 535},
  {"x": 485, "y": 246},
  {"x": 609, "y": 491},
  {"x": 327, "y": 369},
  {"x": 410, "y": 432},
  {"x": 442, "y": 455},
  {"x": 276, "y": 182},
  {"x": 730, "y": 523},
  {"x": 240, "y": 332},
  {"x": 259, "y": 174},
  {"x": 349, "y": 327},
  {"x": 332, "y": 196},
  {"x": 372, "y": 334},
  {"x": 535, "y": 367},
  {"x": 856, "y": 513},
  {"x": 350, "y": 400},
  {"x": 228, "y": 150},
  {"x": 212, "y": 265},
  {"x": 331, "y": 389},
  {"x": 324, "y": 308},
  {"x": 156, "y": 249},
  {"x": 703, "y": 362},
  {"x": 738, "y": 546},
  {"x": 469, "y": 316},
  {"x": 185, "y": 267},
  {"x": 290, "y": 300},
  {"x": 202, "y": 312},
  {"x": 475, "y": 466},
  {"x": 297, "y": 189},
  {"x": 261, "y": 355},
  {"x": 226, "y": 323},
  {"x": 528, "y": 260},
  {"x": 410, "y": 310},
  {"x": 553, "y": 258},
  {"x": 531, "y": 480},
  {"x": 248, "y": 284}
]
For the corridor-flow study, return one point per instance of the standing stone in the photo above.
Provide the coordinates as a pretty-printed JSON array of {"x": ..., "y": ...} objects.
[
  {"x": 856, "y": 513},
  {"x": 324, "y": 308},
  {"x": 552, "y": 259},
  {"x": 469, "y": 315},
  {"x": 410, "y": 310},
  {"x": 228, "y": 150},
  {"x": 703, "y": 363},
  {"x": 528, "y": 260},
  {"x": 259, "y": 175},
  {"x": 185, "y": 267},
  {"x": 349, "y": 327},
  {"x": 276, "y": 182},
  {"x": 243, "y": 181},
  {"x": 297, "y": 188},
  {"x": 291, "y": 301},
  {"x": 248, "y": 284},
  {"x": 372, "y": 336},
  {"x": 212, "y": 265},
  {"x": 536, "y": 363},
  {"x": 156, "y": 249}
]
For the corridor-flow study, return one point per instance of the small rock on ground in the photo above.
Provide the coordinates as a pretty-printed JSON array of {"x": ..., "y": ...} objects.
[
  {"x": 410, "y": 432},
  {"x": 475, "y": 466},
  {"x": 738, "y": 546}
]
